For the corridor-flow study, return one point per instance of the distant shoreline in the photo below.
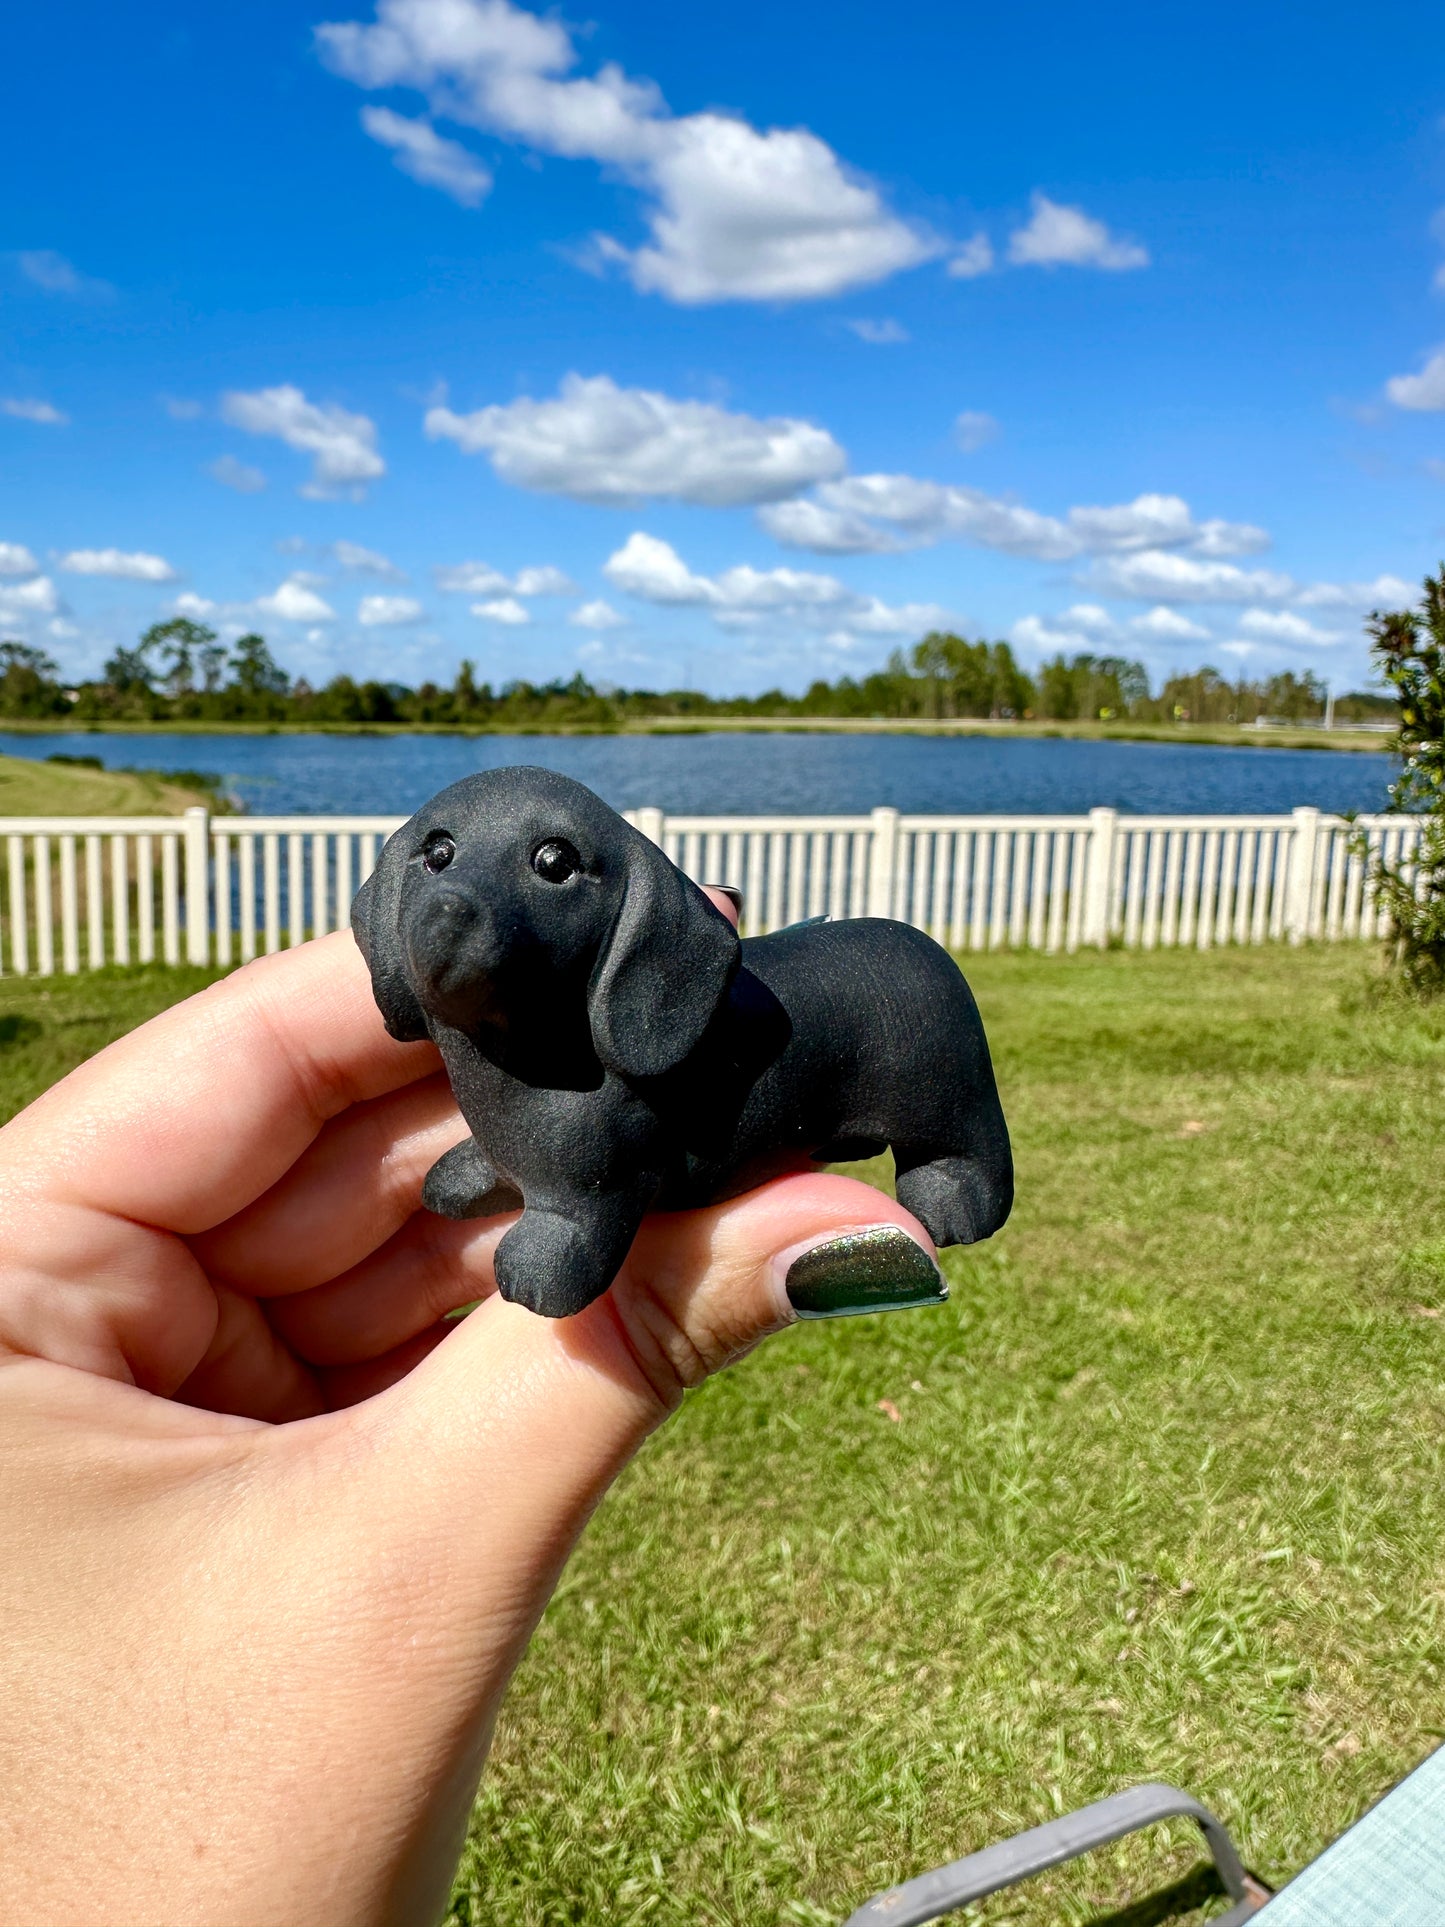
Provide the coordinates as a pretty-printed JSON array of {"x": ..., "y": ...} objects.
[{"x": 1215, "y": 735}]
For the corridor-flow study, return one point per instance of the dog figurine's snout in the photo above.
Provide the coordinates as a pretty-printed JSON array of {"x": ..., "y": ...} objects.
[{"x": 455, "y": 956}]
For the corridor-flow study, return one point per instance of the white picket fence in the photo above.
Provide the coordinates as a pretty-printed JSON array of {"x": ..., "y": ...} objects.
[{"x": 83, "y": 892}]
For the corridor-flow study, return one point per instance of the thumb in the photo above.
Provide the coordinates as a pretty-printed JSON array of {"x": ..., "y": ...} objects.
[
  {"x": 469, "y": 1480},
  {"x": 507, "y": 1434}
]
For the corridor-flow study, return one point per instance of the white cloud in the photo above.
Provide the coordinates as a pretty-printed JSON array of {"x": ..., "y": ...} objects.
[
  {"x": 651, "y": 569},
  {"x": 22, "y": 600},
  {"x": 237, "y": 475},
  {"x": 928, "y": 511},
  {"x": 504, "y": 609},
  {"x": 1050, "y": 633},
  {"x": 648, "y": 567},
  {"x": 1162, "y": 521},
  {"x": 974, "y": 258},
  {"x": 1278, "y": 625},
  {"x": 427, "y": 156},
  {"x": 16, "y": 559},
  {"x": 1089, "y": 617},
  {"x": 122, "y": 565},
  {"x": 860, "y": 514},
  {"x": 388, "y": 611},
  {"x": 873, "y": 617},
  {"x": 1058, "y": 236},
  {"x": 600, "y": 443},
  {"x": 825, "y": 531},
  {"x": 480, "y": 578},
  {"x": 294, "y": 600},
  {"x": 1423, "y": 391},
  {"x": 878, "y": 334},
  {"x": 27, "y": 408},
  {"x": 1082, "y": 628},
  {"x": 1167, "y": 625},
  {"x": 180, "y": 409},
  {"x": 342, "y": 445},
  {"x": 543, "y": 581},
  {"x": 1385, "y": 592},
  {"x": 360, "y": 561},
  {"x": 597, "y": 615},
  {"x": 1160, "y": 575},
  {"x": 56, "y": 275},
  {"x": 735, "y": 214},
  {"x": 471, "y": 578},
  {"x": 1216, "y": 538},
  {"x": 972, "y": 429}
]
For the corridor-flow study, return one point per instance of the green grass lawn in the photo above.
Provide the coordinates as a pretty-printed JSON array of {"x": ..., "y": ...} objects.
[
  {"x": 40, "y": 788},
  {"x": 1162, "y": 1499}
]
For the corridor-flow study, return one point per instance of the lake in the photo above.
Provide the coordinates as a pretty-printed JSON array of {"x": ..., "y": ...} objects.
[{"x": 734, "y": 774}]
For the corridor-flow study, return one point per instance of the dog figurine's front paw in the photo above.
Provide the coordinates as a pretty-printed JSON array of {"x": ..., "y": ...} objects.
[
  {"x": 462, "y": 1184},
  {"x": 556, "y": 1266}
]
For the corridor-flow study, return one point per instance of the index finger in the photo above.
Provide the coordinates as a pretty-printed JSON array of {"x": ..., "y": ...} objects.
[{"x": 188, "y": 1119}]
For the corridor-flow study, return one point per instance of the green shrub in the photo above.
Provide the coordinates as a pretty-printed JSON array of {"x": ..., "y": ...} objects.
[{"x": 1409, "y": 650}]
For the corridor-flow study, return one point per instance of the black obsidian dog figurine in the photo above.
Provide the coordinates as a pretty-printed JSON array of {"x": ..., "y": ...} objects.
[{"x": 614, "y": 1048}]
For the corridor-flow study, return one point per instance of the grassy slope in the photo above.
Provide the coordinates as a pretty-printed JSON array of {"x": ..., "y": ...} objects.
[
  {"x": 54, "y": 789},
  {"x": 1164, "y": 1497}
]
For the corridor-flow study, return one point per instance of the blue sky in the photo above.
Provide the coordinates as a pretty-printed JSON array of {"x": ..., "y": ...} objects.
[{"x": 731, "y": 348}]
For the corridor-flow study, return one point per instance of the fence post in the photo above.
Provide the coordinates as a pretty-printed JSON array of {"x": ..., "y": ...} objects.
[
  {"x": 650, "y": 821},
  {"x": 1300, "y": 890},
  {"x": 198, "y": 895},
  {"x": 1099, "y": 885},
  {"x": 882, "y": 862}
]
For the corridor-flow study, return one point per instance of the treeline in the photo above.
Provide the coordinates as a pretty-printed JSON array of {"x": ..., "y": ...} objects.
[{"x": 180, "y": 672}]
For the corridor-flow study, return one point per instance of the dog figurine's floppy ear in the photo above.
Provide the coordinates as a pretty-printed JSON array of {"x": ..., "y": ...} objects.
[
  {"x": 662, "y": 973},
  {"x": 376, "y": 924}
]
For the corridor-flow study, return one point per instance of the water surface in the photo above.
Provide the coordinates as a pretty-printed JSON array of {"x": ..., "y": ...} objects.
[{"x": 735, "y": 774}]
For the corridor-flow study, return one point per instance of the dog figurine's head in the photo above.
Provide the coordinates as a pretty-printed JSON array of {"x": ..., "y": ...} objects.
[{"x": 517, "y": 908}]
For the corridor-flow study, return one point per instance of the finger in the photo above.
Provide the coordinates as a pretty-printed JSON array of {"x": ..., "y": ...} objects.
[
  {"x": 185, "y": 1121},
  {"x": 354, "y": 1185},
  {"x": 432, "y": 1266},
  {"x": 343, "y": 1385},
  {"x": 247, "y": 1371},
  {"x": 725, "y": 898},
  {"x": 472, "y": 1475},
  {"x": 549, "y": 1410}
]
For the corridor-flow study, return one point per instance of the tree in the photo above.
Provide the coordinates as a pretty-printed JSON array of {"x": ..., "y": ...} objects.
[
  {"x": 1409, "y": 650},
  {"x": 211, "y": 659},
  {"x": 1296, "y": 699},
  {"x": 256, "y": 670},
  {"x": 178, "y": 647},
  {"x": 128, "y": 672},
  {"x": 29, "y": 682}
]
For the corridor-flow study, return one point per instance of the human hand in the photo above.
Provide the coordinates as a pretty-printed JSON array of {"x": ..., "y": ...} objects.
[{"x": 276, "y": 1528}]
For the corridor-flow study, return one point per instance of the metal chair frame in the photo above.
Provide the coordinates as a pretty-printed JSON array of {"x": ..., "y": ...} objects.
[{"x": 1009, "y": 1862}]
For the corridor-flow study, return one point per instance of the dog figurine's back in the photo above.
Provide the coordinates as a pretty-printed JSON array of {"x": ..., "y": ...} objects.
[{"x": 613, "y": 1047}]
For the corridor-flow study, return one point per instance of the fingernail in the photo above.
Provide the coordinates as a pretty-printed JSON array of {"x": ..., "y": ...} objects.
[
  {"x": 878, "y": 1268},
  {"x": 729, "y": 890}
]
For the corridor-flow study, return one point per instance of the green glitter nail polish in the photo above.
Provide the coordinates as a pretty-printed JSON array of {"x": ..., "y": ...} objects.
[{"x": 881, "y": 1269}]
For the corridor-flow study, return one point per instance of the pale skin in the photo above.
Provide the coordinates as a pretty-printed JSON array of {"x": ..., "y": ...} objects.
[{"x": 275, "y": 1529}]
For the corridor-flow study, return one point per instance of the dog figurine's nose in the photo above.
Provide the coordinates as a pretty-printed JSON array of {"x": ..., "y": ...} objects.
[
  {"x": 450, "y": 908},
  {"x": 453, "y": 953}
]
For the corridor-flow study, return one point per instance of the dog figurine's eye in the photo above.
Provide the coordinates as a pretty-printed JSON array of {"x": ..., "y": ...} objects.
[
  {"x": 556, "y": 860},
  {"x": 438, "y": 851}
]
